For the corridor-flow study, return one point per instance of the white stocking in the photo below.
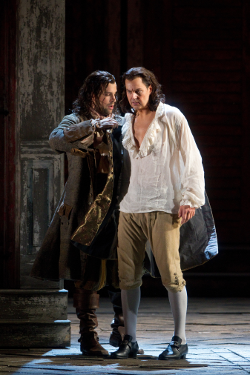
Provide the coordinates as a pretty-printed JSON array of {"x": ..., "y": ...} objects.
[
  {"x": 130, "y": 305},
  {"x": 178, "y": 303}
]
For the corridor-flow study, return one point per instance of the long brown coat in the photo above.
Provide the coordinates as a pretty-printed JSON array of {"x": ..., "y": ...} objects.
[{"x": 58, "y": 258}]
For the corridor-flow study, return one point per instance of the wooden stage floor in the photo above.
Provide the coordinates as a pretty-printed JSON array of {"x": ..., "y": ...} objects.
[{"x": 218, "y": 333}]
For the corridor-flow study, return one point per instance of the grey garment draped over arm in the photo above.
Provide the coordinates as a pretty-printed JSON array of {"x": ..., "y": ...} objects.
[{"x": 198, "y": 241}]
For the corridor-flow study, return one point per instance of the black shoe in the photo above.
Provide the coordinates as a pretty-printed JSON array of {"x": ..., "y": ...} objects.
[
  {"x": 174, "y": 350},
  {"x": 127, "y": 349}
]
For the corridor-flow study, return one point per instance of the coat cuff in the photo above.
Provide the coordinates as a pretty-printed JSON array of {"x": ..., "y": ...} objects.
[{"x": 193, "y": 204}]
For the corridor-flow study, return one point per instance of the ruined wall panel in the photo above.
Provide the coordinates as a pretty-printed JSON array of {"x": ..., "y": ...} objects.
[{"x": 40, "y": 108}]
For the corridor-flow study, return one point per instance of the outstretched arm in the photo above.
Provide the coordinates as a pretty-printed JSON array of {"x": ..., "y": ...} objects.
[
  {"x": 72, "y": 133},
  {"x": 68, "y": 133}
]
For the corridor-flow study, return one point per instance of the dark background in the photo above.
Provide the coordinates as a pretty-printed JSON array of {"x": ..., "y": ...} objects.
[{"x": 199, "y": 51}]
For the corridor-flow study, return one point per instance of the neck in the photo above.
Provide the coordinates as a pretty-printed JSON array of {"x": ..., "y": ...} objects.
[{"x": 143, "y": 112}]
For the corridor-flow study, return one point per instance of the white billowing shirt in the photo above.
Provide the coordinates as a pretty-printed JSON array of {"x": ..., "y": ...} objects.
[{"x": 166, "y": 171}]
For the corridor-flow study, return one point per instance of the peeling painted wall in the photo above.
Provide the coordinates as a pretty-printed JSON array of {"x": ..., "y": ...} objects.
[
  {"x": 40, "y": 108},
  {"x": 40, "y": 67}
]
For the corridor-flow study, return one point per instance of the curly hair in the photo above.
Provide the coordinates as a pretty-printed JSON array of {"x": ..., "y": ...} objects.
[
  {"x": 94, "y": 85},
  {"x": 148, "y": 78}
]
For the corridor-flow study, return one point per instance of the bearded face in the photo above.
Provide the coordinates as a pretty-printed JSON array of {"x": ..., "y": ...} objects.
[{"x": 104, "y": 105}]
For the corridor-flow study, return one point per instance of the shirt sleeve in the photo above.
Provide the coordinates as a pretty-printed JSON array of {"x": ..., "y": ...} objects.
[
  {"x": 192, "y": 179},
  {"x": 69, "y": 134}
]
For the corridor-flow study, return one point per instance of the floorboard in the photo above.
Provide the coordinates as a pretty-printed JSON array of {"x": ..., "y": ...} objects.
[{"x": 218, "y": 334}]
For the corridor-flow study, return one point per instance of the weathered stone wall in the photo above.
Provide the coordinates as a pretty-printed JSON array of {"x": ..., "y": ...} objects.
[
  {"x": 40, "y": 67},
  {"x": 36, "y": 314},
  {"x": 40, "y": 107}
]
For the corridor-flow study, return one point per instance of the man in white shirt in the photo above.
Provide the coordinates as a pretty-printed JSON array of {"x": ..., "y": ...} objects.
[{"x": 163, "y": 182}]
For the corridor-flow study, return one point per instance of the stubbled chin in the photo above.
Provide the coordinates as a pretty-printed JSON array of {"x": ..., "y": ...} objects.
[{"x": 105, "y": 112}]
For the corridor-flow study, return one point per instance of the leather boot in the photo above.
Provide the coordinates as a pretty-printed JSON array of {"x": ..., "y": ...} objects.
[
  {"x": 86, "y": 302},
  {"x": 116, "y": 335}
]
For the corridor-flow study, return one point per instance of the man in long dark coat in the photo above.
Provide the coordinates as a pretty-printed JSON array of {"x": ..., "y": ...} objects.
[{"x": 85, "y": 218}]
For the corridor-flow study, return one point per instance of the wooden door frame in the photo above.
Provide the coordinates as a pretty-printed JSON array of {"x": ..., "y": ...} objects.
[{"x": 245, "y": 201}]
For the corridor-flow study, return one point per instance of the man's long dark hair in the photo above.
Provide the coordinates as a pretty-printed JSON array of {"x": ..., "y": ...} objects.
[
  {"x": 148, "y": 78},
  {"x": 93, "y": 85}
]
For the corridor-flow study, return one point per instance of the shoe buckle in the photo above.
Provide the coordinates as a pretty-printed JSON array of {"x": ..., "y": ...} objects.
[{"x": 176, "y": 344}]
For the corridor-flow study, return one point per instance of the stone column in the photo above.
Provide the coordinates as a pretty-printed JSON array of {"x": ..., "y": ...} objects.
[{"x": 36, "y": 314}]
